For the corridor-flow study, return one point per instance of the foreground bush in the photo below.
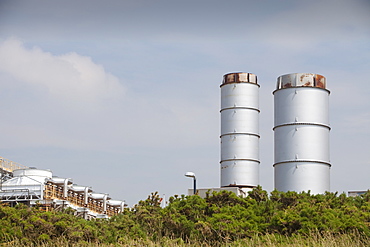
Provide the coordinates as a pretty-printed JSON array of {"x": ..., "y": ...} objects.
[{"x": 281, "y": 219}]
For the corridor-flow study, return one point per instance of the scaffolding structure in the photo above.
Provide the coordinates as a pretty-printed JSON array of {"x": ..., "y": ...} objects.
[{"x": 31, "y": 186}]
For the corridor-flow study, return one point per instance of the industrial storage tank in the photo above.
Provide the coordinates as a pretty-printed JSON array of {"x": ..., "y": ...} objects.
[
  {"x": 301, "y": 133},
  {"x": 240, "y": 131}
]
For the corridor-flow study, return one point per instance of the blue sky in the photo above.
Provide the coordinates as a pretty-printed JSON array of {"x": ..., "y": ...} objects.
[{"x": 124, "y": 96}]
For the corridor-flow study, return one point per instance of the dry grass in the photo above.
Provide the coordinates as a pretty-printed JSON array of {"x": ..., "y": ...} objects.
[{"x": 315, "y": 239}]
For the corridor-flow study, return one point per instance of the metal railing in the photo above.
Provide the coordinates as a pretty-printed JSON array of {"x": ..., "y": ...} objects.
[
  {"x": 10, "y": 166},
  {"x": 21, "y": 194},
  {"x": 54, "y": 191}
]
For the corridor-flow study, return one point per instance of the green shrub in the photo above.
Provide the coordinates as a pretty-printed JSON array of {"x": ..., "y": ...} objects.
[{"x": 222, "y": 218}]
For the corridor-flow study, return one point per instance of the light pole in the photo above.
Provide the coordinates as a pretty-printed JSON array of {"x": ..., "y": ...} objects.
[{"x": 192, "y": 175}]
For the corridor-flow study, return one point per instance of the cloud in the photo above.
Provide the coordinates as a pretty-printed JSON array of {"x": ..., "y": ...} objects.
[
  {"x": 69, "y": 76},
  {"x": 53, "y": 100},
  {"x": 65, "y": 101}
]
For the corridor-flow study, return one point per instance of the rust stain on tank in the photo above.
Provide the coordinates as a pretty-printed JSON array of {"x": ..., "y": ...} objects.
[
  {"x": 307, "y": 84},
  {"x": 286, "y": 85},
  {"x": 239, "y": 77},
  {"x": 320, "y": 81}
]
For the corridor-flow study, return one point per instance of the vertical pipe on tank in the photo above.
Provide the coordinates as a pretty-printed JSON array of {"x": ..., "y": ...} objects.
[
  {"x": 240, "y": 131},
  {"x": 105, "y": 198},
  {"x": 86, "y": 195},
  {"x": 301, "y": 133},
  {"x": 122, "y": 207},
  {"x": 65, "y": 188}
]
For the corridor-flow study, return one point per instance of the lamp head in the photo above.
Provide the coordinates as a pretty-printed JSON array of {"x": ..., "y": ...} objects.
[{"x": 190, "y": 174}]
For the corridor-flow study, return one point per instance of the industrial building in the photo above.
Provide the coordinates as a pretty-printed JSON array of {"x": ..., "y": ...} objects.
[{"x": 31, "y": 186}]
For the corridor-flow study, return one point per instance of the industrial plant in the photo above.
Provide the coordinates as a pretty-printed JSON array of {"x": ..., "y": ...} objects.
[
  {"x": 301, "y": 143},
  {"x": 35, "y": 187}
]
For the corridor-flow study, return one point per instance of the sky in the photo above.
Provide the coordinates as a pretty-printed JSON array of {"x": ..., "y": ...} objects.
[{"x": 124, "y": 96}]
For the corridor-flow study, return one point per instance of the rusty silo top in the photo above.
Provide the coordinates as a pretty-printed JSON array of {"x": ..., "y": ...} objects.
[
  {"x": 239, "y": 78},
  {"x": 301, "y": 80}
]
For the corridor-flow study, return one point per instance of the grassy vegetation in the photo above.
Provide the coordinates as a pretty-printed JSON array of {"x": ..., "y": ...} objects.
[
  {"x": 221, "y": 219},
  {"x": 319, "y": 240}
]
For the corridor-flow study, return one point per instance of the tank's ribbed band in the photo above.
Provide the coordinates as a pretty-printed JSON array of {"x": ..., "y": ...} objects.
[
  {"x": 253, "y": 160},
  {"x": 302, "y": 123},
  {"x": 240, "y": 186},
  {"x": 239, "y": 133},
  {"x": 239, "y": 107},
  {"x": 242, "y": 82},
  {"x": 291, "y": 88},
  {"x": 301, "y": 161}
]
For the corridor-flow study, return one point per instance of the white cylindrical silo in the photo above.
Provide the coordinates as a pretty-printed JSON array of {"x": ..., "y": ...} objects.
[
  {"x": 301, "y": 133},
  {"x": 239, "y": 131}
]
